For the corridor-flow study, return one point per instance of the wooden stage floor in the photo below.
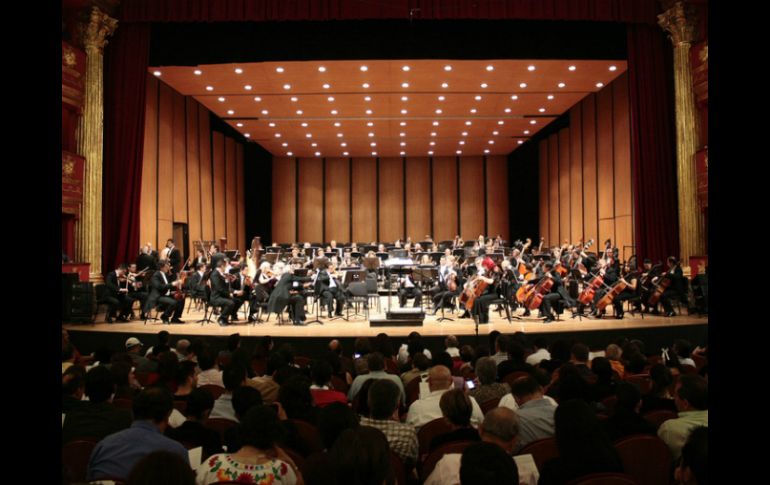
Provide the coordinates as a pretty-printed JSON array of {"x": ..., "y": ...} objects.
[{"x": 358, "y": 326}]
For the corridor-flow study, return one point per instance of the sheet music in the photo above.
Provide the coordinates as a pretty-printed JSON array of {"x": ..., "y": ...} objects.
[
  {"x": 196, "y": 455},
  {"x": 399, "y": 262}
]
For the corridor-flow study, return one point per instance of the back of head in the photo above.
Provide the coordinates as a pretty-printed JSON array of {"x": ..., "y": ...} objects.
[
  {"x": 695, "y": 455},
  {"x": 67, "y": 352},
  {"x": 287, "y": 351},
  {"x": 525, "y": 386},
  {"x": 333, "y": 420},
  {"x": 206, "y": 359},
  {"x": 161, "y": 468},
  {"x": 382, "y": 344},
  {"x": 628, "y": 396},
  {"x": 501, "y": 424},
  {"x": 233, "y": 342},
  {"x": 245, "y": 398},
  {"x": 261, "y": 428},
  {"x": 636, "y": 363},
  {"x": 451, "y": 341},
  {"x": 486, "y": 370},
  {"x": 683, "y": 348},
  {"x": 321, "y": 372},
  {"x": 486, "y": 463},
  {"x": 421, "y": 362},
  {"x": 541, "y": 343},
  {"x": 443, "y": 358},
  {"x": 361, "y": 456},
  {"x": 661, "y": 378},
  {"x": 375, "y": 361},
  {"x": 493, "y": 338},
  {"x": 294, "y": 395},
  {"x": 72, "y": 380},
  {"x": 362, "y": 346},
  {"x": 456, "y": 407},
  {"x": 613, "y": 352},
  {"x": 467, "y": 354},
  {"x": 182, "y": 346},
  {"x": 695, "y": 390},
  {"x": 560, "y": 350},
  {"x": 184, "y": 371},
  {"x": 580, "y": 439},
  {"x": 362, "y": 409},
  {"x": 580, "y": 352},
  {"x": 383, "y": 397},
  {"x": 602, "y": 368},
  {"x": 198, "y": 402},
  {"x": 163, "y": 337},
  {"x": 120, "y": 372},
  {"x": 153, "y": 403},
  {"x": 516, "y": 351},
  {"x": 233, "y": 377},
  {"x": 99, "y": 384},
  {"x": 502, "y": 343},
  {"x": 440, "y": 377}
]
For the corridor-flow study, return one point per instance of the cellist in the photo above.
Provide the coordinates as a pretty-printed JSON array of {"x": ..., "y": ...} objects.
[
  {"x": 558, "y": 292},
  {"x": 488, "y": 272}
]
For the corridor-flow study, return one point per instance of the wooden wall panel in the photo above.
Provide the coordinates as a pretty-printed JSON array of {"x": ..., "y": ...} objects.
[
  {"x": 207, "y": 177},
  {"x": 606, "y": 231},
  {"x": 471, "y": 197},
  {"x": 337, "y": 208},
  {"x": 148, "y": 207},
  {"x": 165, "y": 232},
  {"x": 231, "y": 193},
  {"x": 218, "y": 173},
  {"x": 576, "y": 174},
  {"x": 179, "y": 156},
  {"x": 391, "y": 191},
  {"x": 284, "y": 200},
  {"x": 605, "y": 171},
  {"x": 445, "y": 198},
  {"x": 590, "y": 210},
  {"x": 565, "y": 219},
  {"x": 244, "y": 242},
  {"x": 310, "y": 209},
  {"x": 165, "y": 158},
  {"x": 498, "y": 221},
  {"x": 553, "y": 190},
  {"x": 364, "y": 200},
  {"x": 622, "y": 147},
  {"x": 418, "y": 201},
  {"x": 624, "y": 236},
  {"x": 544, "y": 196},
  {"x": 193, "y": 191}
]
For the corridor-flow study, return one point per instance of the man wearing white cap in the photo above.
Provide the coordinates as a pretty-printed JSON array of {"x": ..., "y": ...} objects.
[{"x": 134, "y": 349}]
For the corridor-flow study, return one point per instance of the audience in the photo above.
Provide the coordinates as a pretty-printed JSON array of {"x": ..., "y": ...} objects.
[
  {"x": 693, "y": 469},
  {"x": 321, "y": 390},
  {"x": 613, "y": 353},
  {"x": 186, "y": 380},
  {"x": 659, "y": 397},
  {"x": 233, "y": 377},
  {"x": 625, "y": 420},
  {"x": 457, "y": 409},
  {"x": 451, "y": 345},
  {"x": 376, "y": 366},
  {"x": 428, "y": 408},
  {"x": 73, "y": 386},
  {"x": 161, "y": 468},
  {"x": 244, "y": 398},
  {"x": 488, "y": 388},
  {"x": 209, "y": 375},
  {"x": 361, "y": 456},
  {"x": 384, "y": 398},
  {"x": 485, "y": 463},
  {"x": 535, "y": 412},
  {"x": 420, "y": 366},
  {"x": 541, "y": 352},
  {"x": 691, "y": 397},
  {"x": 192, "y": 431}
]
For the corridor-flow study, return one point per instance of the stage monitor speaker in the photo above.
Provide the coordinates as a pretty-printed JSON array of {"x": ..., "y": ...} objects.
[
  {"x": 82, "y": 303},
  {"x": 67, "y": 281}
]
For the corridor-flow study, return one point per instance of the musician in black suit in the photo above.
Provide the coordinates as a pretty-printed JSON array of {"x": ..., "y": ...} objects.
[
  {"x": 221, "y": 295},
  {"x": 115, "y": 296},
  {"x": 146, "y": 259},
  {"x": 174, "y": 256},
  {"x": 195, "y": 285},
  {"x": 328, "y": 290},
  {"x": 558, "y": 292},
  {"x": 677, "y": 289},
  {"x": 287, "y": 292},
  {"x": 409, "y": 290},
  {"x": 162, "y": 284},
  {"x": 136, "y": 290},
  {"x": 241, "y": 291}
]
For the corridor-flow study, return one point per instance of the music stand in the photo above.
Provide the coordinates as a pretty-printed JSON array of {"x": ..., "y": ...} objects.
[
  {"x": 458, "y": 253},
  {"x": 331, "y": 254},
  {"x": 271, "y": 257},
  {"x": 317, "y": 299}
]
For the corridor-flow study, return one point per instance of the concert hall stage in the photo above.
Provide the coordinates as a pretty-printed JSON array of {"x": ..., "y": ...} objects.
[{"x": 655, "y": 331}]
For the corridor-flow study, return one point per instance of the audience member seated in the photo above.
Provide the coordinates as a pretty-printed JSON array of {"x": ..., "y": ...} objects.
[
  {"x": 428, "y": 408},
  {"x": 126, "y": 385},
  {"x": 167, "y": 366},
  {"x": 267, "y": 384},
  {"x": 693, "y": 469},
  {"x": 583, "y": 446},
  {"x": 457, "y": 409},
  {"x": 259, "y": 460},
  {"x": 683, "y": 349},
  {"x": 613, "y": 353},
  {"x": 186, "y": 380},
  {"x": 384, "y": 401},
  {"x": 73, "y": 387},
  {"x": 488, "y": 388},
  {"x": 296, "y": 399},
  {"x": 625, "y": 420},
  {"x": 413, "y": 345},
  {"x": 67, "y": 356},
  {"x": 163, "y": 341},
  {"x": 361, "y": 456},
  {"x": 468, "y": 357},
  {"x": 420, "y": 366},
  {"x": 161, "y": 468},
  {"x": 233, "y": 377},
  {"x": 244, "y": 398},
  {"x": 451, "y": 345},
  {"x": 442, "y": 358},
  {"x": 376, "y": 365},
  {"x": 323, "y": 394},
  {"x": 97, "y": 418},
  {"x": 535, "y": 412},
  {"x": 570, "y": 385},
  {"x": 182, "y": 349},
  {"x": 117, "y": 454},
  {"x": 209, "y": 375},
  {"x": 560, "y": 355},
  {"x": 332, "y": 421},
  {"x": 515, "y": 362},
  {"x": 636, "y": 363},
  {"x": 141, "y": 363},
  {"x": 485, "y": 463},
  {"x": 691, "y": 397},
  {"x": 199, "y": 405},
  {"x": 501, "y": 349},
  {"x": 659, "y": 397},
  {"x": 605, "y": 379},
  {"x": 579, "y": 358},
  {"x": 541, "y": 352}
]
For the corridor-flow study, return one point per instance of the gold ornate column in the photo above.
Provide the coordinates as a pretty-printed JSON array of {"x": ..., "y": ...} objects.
[
  {"x": 680, "y": 22},
  {"x": 88, "y": 230}
]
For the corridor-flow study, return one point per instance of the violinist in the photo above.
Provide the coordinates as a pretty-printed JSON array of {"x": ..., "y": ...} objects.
[
  {"x": 162, "y": 284},
  {"x": 408, "y": 290},
  {"x": 146, "y": 259},
  {"x": 677, "y": 288},
  {"x": 220, "y": 292},
  {"x": 201, "y": 257},
  {"x": 136, "y": 290},
  {"x": 328, "y": 289},
  {"x": 447, "y": 285},
  {"x": 116, "y": 295},
  {"x": 195, "y": 284},
  {"x": 558, "y": 292},
  {"x": 240, "y": 289}
]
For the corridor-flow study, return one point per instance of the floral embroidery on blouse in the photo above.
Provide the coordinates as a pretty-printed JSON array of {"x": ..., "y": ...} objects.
[{"x": 227, "y": 469}]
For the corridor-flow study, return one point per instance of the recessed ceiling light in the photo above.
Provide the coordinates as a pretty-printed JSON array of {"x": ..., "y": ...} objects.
[
  {"x": 490, "y": 68},
  {"x": 304, "y": 125},
  {"x": 365, "y": 85},
  {"x": 239, "y": 125},
  {"x": 432, "y": 133},
  {"x": 491, "y": 142},
  {"x": 523, "y": 85},
  {"x": 430, "y": 153},
  {"x": 572, "y": 68},
  {"x": 532, "y": 122},
  {"x": 464, "y": 133},
  {"x": 299, "y": 111},
  {"x": 542, "y": 110},
  {"x": 294, "y": 99},
  {"x": 495, "y": 133},
  {"x": 447, "y": 68},
  {"x": 309, "y": 135},
  {"x": 321, "y": 69},
  {"x": 486, "y": 151},
  {"x": 345, "y": 153},
  {"x": 433, "y": 143},
  {"x": 405, "y": 68},
  {"x": 340, "y": 135},
  {"x": 221, "y": 99},
  {"x": 402, "y": 153},
  {"x": 530, "y": 68},
  {"x": 197, "y": 72},
  {"x": 550, "y": 96},
  {"x": 473, "y": 110},
  {"x": 371, "y": 135},
  {"x": 157, "y": 73},
  {"x": 561, "y": 85},
  {"x": 247, "y": 87},
  {"x": 444, "y": 85},
  {"x": 364, "y": 68},
  {"x": 507, "y": 110},
  {"x": 404, "y": 85},
  {"x": 326, "y": 86},
  {"x": 373, "y": 144},
  {"x": 374, "y": 154},
  {"x": 435, "y": 123},
  {"x": 277, "y": 135},
  {"x": 367, "y": 98},
  {"x": 520, "y": 142},
  {"x": 459, "y": 152},
  {"x": 330, "y": 99},
  {"x": 514, "y": 97},
  {"x": 438, "y": 111},
  {"x": 403, "y": 111},
  {"x": 314, "y": 145},
  {"x": 462, "y": 142},
  {"x": 368, "y": 111},
  {"x": 337, "y": 124},
  {"x": 271, "y": 124},
  {"x": 318, "y": 154},
  {"x": 501, "y": 122},
  {"x": 334, "y": 111},
  {"x": 287, "y": 86},
  {"x": 484, "y": 85},
  {"x": 467, "y": 123},
  {"x": 370, "y": 124},
  {"x": 403, "y": 143},
  {"x": 257, "y": 99},
  {"x": 441, "y": 98},
  {"x": 599, "y": 85},
  {"x": 238, "y": 70},
  {"x": 278, "y": 69},
  {"x": 613, "y": 68},
  {"x": 284, "y": 144},
  {"x": 404, "y": 98},
  {"x": 343, "y": 144},
  {"x": 247, "y": 135},
  {"x": 526, "y": 132},
  {"x": 477, "y": 98},
  {"x": 289, "y": 154},
  {"x": 403, "y": 123},
  {"x": 402, "y": 134},
  {"x": 230, "y": 112},
  {"x": 209, "y": 88}
]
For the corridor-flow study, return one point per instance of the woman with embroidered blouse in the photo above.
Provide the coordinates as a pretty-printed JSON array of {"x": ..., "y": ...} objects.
[{"x": 259, "y": 461}]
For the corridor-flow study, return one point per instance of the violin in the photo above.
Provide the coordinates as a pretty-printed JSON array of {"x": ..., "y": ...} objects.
[{"x": 179, "y": 294}]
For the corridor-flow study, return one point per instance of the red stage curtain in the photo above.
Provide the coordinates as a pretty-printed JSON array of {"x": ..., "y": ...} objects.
[
  {"x": 627, "y": 11},
  {"x": 126, "y": 60},
  {"x": 652, "y": 144}
]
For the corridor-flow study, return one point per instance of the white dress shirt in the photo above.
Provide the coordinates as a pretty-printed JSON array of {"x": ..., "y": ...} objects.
[
  {"x": 425, "y": 410},
  {"x": 539, "y": 356},
  {"x": 447, "y": 470}
]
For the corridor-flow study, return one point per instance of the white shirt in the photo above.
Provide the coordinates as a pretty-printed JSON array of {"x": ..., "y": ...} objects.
[
  {"x": 453, "y": 351},
  {"x": 403, "y": 354},
  {"x": 223, "y": 408},
  {"x": 539, "y": 356},
  {"x": 210, "y": 377},
  {"x": 165, "y": 281},
  {"x": 425, "y": 410},
  {"x": 509, "y": 402},
  {"x": 500, "y": 357},
  {"x": 447, "y": 471}
]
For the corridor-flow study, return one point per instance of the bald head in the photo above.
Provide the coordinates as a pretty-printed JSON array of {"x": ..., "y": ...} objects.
[
  {"x": 501, "y": 427},
  {"x": 334, "y": 345},
  {"x": 440, "y": 378}
]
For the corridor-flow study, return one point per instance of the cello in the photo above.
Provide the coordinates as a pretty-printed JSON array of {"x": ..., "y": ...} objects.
[
  {"x": 660, "y": 288},
  {"x": 542, "y": 288},
  {"x": 613, "y": 293},
  {"x": 474, "y": 289},
  {"x": 589, "y": 292}
]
